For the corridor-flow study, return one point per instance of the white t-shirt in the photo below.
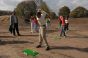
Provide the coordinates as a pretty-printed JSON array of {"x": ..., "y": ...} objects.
[
  {"x": 42, "y": 20},
  {"x": 66, "y": 21}
]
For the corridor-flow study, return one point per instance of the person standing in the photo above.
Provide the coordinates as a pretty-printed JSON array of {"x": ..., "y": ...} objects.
[
  {"x": 62, "y": 22},
  {"x": 36, "y": 25},
  {"x": 14, "y": 24},
  {"x": 47, "y": 22},
  {"x": 42, "y": 29},
  {"x": 66, "y": 23},
  {"x": 32, "y": 23}
]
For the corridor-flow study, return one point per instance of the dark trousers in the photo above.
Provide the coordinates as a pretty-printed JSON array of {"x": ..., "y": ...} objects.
[
  {"x": 15, "y": 29},
  {"x": 66, "y": 27}
]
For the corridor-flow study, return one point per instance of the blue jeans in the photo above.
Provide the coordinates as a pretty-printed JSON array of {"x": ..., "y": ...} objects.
[
  {"x": 62, "y": 31},
  {"x": 36, "y": 27}
]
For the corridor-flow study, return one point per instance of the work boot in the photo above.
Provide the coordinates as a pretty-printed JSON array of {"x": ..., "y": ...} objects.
[
  {"x": 19, "y": 34},
  {"x": 38, "y": 46},
  {"x": 47, "y": 48}
]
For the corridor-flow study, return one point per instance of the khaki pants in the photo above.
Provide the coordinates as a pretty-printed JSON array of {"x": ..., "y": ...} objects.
[
  {"x": 42, "y": 35},
  {"x": 32, "y": 29}
]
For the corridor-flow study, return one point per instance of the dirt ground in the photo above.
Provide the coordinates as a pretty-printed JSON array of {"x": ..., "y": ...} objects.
[{"x": 75, "y": 45}]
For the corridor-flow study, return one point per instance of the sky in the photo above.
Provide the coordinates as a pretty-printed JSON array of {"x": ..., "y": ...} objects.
[{"x": 54, "y": 5}]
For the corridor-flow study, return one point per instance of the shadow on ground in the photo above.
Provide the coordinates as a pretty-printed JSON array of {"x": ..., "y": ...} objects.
[
  {"x": 7, "y": 37},
  {"x": 4, "y": 32},
  {"x": 30, "y": 35},
  {"x": 52, "y": 31},
  {"x": 20, "y": 35},
  {"x": 70, "y": 48},
  {"x": 4, "y": 56},
  {"x": 80, "y": 36},
  {"x": 14, "y": 42}
]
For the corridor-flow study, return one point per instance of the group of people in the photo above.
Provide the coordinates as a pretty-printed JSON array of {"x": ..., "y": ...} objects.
[
  {"x": 64, "y": 24},
  {"x": 39, "y": 23}
]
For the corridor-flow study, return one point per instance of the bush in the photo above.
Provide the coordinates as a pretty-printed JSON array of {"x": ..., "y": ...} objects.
[
  {"x": 25, "y": 9},
  {"x": 64, "y": 11},
  {"x": 79, "y": 12}
]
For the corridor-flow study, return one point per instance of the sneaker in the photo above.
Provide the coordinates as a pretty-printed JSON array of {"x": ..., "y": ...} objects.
[
  {"x": 0, "y": 40},
  {"x": 38, "y": 46},
  {"x": 48, "y": 48},
  {"x": 65, "y": 36}
]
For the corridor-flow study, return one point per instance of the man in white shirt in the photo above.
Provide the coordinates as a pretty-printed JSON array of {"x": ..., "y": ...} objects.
[{"x": 42, "y": 29}]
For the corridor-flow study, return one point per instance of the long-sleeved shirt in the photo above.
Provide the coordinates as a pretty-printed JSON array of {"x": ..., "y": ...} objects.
[
  {"x": 62, "y": 20},
  {"x": 13, "y": 19}
]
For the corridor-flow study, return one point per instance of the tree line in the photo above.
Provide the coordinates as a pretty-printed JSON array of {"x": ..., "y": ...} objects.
[
  {"x": 78, "y": 12},
  {"x": 28, "y": 8},
  {"x": 4, "y": 12}
]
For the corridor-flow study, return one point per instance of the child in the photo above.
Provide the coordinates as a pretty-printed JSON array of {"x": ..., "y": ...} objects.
[
  {"x": 47, "y": 23},
  {"x": 66, "y": 24},
  {"x": 36, "y": 25},
  {"x": 32, "y": 23}
]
